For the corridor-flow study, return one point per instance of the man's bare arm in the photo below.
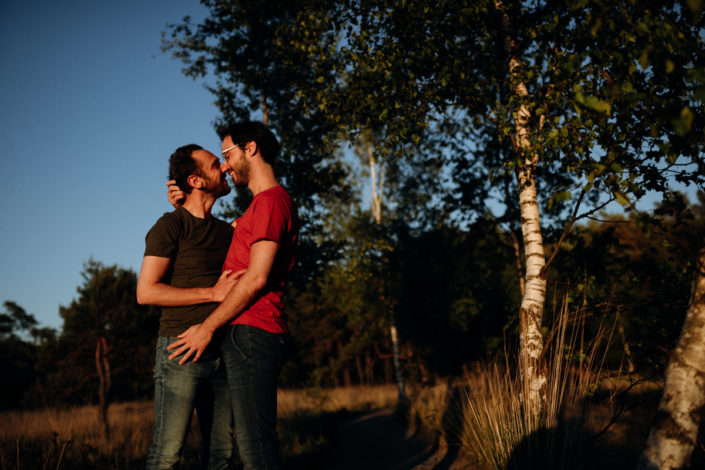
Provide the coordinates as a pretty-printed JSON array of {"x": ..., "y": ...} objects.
[
  {"x": 193, "y": 341},
  {"x": 151, "y": 289}
]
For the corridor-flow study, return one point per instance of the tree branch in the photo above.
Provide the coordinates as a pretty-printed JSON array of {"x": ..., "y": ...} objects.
[{"x": 566, "y": 229}]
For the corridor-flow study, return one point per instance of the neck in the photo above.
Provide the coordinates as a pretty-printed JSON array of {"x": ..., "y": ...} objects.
[
  {"x": 261, "y": 178},
  {"x": 199, "y": 204}
]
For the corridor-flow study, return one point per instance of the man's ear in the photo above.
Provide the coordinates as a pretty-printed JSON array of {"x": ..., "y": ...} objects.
[
  {"x": 195, "y": 181},
  {"x": 251, "y": 148}
]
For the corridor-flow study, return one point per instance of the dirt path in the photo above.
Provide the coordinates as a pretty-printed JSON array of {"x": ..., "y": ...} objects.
[{"x": 377, "y": 441}]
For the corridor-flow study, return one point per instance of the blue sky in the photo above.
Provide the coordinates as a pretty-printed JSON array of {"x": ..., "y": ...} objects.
[{"x": 91, "y": 111}]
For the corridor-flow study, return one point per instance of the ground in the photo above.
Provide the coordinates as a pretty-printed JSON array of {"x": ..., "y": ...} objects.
[{"x": 377, "y": 441}]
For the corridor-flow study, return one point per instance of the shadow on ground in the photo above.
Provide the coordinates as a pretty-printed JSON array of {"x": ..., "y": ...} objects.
[{"x": 377, "y": 441}]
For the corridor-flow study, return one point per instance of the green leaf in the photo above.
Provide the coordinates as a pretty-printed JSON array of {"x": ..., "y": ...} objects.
[
  {"x": 695, "y": 5},
  {"x": 596, "y": 27},
  {"x": 684, "y": 123},
  {"x": 699, "y": 93},
  {"x": 670, "y": 66},
  {"x": 621, "y": 198},
  {"x": 594, "y": 103}
]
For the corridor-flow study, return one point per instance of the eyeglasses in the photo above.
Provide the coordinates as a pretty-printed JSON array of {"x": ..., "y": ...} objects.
[{"x": 225, "y": 152}]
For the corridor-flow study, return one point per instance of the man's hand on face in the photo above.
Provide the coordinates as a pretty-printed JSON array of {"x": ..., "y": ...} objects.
[
  {"x": 175, "y": 195},
  {"x": 190, "y": 342}
]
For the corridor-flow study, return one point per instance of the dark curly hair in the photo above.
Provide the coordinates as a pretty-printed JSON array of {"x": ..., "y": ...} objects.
[
  {"x": 182, "y": 165},
  {"x": 247, "y": 131}
]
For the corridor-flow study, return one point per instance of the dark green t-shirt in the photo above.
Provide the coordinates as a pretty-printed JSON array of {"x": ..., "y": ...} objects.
[{"x": 197, "y": 249}]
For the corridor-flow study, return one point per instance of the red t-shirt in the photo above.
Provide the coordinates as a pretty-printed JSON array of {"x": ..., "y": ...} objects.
[{"x": 270, "y": 216}]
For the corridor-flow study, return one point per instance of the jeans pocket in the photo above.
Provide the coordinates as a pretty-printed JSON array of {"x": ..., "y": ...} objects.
[
  {"x": 234, "y": 330},
  {"x": 160, "y": 356}
]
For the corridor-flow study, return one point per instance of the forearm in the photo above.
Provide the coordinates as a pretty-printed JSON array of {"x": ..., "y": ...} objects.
[
  {"x": 239, "y": 298},
  {"x": 165, "y": 295}
]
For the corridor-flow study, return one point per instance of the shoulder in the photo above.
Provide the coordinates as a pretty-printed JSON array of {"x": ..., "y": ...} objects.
[
  {"x": 276, "y": 196},
  {"x": 169, "y": 222},
  {"x": 274, "y": 209},
  {"x": 175, "y": 217}
]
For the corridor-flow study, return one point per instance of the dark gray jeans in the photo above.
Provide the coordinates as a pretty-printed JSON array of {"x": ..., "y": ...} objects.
[{"x": 253, "y": 358}]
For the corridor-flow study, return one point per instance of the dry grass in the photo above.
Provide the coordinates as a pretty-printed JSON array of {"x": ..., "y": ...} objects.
[
  {"x": 484, "y": 414},
  {"x": 332, "y": 400},
  {"x": 505, "y": 433},
  {"x": 71, "y": 437}
]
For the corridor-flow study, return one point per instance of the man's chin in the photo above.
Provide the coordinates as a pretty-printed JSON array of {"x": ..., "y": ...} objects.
[{"x": 224, "y": 191}]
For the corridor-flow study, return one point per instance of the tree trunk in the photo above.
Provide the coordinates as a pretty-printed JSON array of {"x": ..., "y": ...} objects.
[
  {"x": 103, "y": 368},
  {"x": 360, "y": 370},
  {"x": 397, "y": 364},
  {"x": 531, "y": 310},
  {"x": 532, "y": 302},
  {"x": 377, "y": 187},
  {"x": 625, "y": 347},
  {"x": 388, "y": 370},
  {"x": 680, "y": 412},
  {"x": 369, "y": 369},
  {"x": 347, "y": 379},
  {"x": 265, "y": 110}
]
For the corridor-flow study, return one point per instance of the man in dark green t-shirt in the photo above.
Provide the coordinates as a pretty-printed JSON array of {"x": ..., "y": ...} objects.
[{"x": 181, "y": 272}]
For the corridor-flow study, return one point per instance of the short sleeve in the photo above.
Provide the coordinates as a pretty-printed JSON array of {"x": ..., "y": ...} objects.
[
  {"x": 163, "y": 238},
  {"x": 270, "y": 219}
]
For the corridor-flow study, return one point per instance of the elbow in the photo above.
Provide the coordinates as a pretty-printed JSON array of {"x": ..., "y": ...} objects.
[
  {"x": 142, "y": 297},
  {"x": 259, "y": 282}
]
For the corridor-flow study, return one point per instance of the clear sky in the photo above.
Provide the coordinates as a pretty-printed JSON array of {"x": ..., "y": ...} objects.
[{"x": 90, "y": 110}]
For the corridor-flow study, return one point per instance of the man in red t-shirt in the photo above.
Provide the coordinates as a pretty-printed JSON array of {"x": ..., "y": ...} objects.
[{"x": 257, "y": 339}]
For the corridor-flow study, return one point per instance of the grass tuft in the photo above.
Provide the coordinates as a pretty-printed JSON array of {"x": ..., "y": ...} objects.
[{"x": 504, "y": 433}]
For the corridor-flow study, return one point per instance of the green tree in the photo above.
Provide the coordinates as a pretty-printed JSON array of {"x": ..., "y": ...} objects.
[
  {"x": 611, "y": 100},
  {"x": 19, "y": 353},
  {"x": 582, "y": 103},
  {"x": 105, "y": 309}
]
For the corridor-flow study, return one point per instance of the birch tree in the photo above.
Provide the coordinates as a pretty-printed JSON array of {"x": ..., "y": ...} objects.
[
  {"x": 674, "y": 433},
  {"x": 591, "y": 102}
]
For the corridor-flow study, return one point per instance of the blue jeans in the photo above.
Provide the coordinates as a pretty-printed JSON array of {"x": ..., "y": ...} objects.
[
  {"x": 253, "y": 359},
  {"x": 178, "y": 390}
]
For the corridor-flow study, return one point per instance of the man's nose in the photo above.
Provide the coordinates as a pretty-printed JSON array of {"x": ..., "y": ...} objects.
[{"x": 224, "y": 168}]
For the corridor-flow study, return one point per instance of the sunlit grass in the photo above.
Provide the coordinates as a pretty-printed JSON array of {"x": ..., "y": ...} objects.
[
  {"x": 71, "y": 437},
  {"x": 504, "y": 433}
]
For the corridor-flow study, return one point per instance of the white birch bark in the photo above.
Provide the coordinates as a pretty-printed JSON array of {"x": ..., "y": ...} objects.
[
  {"x": 531, "y": 310},
  {"x": 377, "y": 188},
  {"x": 533, "y": 299},
  {"x": 673, "y": 435}
]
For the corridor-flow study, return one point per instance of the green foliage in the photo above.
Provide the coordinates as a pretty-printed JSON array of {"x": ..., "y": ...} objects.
[
  {"x": 453, "y": 293},
  {"x": 106, "y": 307},
  {"x": 636, "y": 275},
  {"x": 614, "y": 94},
  {"x": 20, "y": 355}
]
